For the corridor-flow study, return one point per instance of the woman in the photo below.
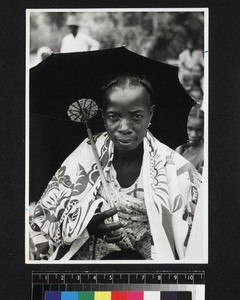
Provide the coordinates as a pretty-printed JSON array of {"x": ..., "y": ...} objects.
[{"x": 154, "y": 189}]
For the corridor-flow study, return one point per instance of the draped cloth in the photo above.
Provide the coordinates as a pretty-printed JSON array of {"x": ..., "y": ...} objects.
[
  {"x": 58, "y": 226},
  {"x": 194, "y": 154}
]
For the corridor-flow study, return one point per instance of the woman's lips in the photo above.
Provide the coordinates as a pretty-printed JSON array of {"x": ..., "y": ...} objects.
[{"x": 124, "y": 141}]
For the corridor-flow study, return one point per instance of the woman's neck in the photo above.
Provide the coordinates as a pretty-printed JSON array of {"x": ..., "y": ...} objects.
[
  {"x": 128, "y": 165},
  {"x": 123, "y": 157}
]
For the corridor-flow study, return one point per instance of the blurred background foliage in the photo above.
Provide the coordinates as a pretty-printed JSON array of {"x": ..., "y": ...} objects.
[{"x": 158, "y": 35}]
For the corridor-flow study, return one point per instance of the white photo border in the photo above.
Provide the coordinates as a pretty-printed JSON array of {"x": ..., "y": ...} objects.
[{"x": 206, "y": 122}]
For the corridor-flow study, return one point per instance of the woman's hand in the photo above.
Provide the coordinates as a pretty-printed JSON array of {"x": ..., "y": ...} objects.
[{"x": 108, "y": 232}]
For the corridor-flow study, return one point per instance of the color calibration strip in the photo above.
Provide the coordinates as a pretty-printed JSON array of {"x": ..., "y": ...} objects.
[
  {"x": 119, "y": 295},
  {"x": 119, "y": 286}
]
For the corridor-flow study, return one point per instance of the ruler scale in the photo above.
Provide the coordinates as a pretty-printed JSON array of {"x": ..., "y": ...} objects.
[{"x": 74, "y": 285}]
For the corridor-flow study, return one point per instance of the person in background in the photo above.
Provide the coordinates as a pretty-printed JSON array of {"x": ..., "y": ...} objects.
[
  {"x": 196, "y": 93},
  {"x": 197, "y": 74},
  {"x": 187, "y": 82},
  {"x": 193, "y": 150},
  {"x": 76, "y": 41},
  {"x": 42, "y": 53},
  {"x": 188, "y": 59}
]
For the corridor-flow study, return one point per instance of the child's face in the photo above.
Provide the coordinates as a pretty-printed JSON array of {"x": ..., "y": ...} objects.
[
  {"x": 127, "y": 115},
  {"x": 196, "y": 95},
  {"x": 195, "y": 130}
]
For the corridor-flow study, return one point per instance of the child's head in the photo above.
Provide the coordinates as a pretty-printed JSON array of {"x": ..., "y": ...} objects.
[
  {"x": 195, "y": 126},
  {"x": 187, "y": 82},
  {"x": 197, "y": 72},
  {"x": 196, "y": 93}
]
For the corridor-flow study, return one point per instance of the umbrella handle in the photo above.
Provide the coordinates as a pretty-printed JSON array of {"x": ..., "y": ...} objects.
[
  {"x": 100, "y": 170},
  {"x": 125, "y": 242}
]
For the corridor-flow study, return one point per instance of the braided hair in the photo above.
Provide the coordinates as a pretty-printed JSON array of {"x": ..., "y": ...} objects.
[
  {"x": 127, "y": 80},
  {"x": 196, "y": 112}
]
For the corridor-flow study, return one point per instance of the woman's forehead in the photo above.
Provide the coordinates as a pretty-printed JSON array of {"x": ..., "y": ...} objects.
[
  {"x": 136, "y": 91},
  {"x": 136, "y": 95}
]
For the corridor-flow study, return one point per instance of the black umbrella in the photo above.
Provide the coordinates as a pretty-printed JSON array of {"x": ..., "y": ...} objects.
[{"x": 61, "y": 79}]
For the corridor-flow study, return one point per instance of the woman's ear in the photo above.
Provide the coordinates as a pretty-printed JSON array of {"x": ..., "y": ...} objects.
[
  {"x": 151, "y": 111},
  {"x": 101, "y": 112},
  {"x": 103, "y": 116}
]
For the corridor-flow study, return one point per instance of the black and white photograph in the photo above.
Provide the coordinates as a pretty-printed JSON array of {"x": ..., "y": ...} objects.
[
  {"x": 119, "y": 149},
  {"x": 116, "y": 136}
]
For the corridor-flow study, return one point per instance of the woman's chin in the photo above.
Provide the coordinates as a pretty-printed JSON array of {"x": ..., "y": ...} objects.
[{"x": 127, "y": 146}]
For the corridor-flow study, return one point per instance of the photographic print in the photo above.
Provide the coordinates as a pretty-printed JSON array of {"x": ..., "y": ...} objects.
[{"x": 116, "y": 136}]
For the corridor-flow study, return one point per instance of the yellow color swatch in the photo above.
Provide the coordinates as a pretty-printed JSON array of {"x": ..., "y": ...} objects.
[{"x": 102, "y": 296}]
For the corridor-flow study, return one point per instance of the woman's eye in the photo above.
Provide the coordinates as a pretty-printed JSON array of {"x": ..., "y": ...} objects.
[
  {"x": 113, "y": 117},
  {"x": 137, "y": 117}
]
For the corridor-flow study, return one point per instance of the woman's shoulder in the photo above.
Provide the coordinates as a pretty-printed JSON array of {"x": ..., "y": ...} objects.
[{"x": 84, "y": 148}]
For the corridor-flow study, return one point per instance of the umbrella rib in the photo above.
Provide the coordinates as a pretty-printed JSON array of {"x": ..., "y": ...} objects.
[
  {"x": 87, "y": 109},
  {"x": 76, "y": 116},
  {"x": 170, "y": 130},
  {"x": 77, "y": 107},
  {"x": 51, "y": 117},
  {"x": 60, "y": 129}
]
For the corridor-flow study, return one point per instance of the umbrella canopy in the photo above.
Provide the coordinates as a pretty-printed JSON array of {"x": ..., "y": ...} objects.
[{"x": 61, "y": 79}]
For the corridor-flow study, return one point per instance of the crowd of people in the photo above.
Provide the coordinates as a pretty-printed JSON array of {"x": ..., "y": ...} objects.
[
  {"x": 191, "y": 71},
  {"x": 191, "y": 76},
  {"x": 190, "y": 61}
]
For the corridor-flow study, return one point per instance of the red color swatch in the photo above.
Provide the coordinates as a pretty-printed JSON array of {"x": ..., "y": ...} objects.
[{"x": 119, "y": 295}]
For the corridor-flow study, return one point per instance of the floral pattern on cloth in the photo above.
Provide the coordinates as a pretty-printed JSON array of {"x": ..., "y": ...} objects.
[
  {"x": 132, "y": 213},
  {"x": 59, "y": 222},
  {"x": 133, "y": 216}
]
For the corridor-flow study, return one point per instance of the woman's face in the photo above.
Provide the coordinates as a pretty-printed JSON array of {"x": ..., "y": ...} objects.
[{"x": 126, "y": 116}]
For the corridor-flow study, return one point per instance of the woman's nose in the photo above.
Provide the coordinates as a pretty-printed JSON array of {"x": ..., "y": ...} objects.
[{"x": 124, "y": 126}]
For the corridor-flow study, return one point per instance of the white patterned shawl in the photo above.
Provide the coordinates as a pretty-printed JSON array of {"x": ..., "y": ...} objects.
[{"x": 59, "y": 222}]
